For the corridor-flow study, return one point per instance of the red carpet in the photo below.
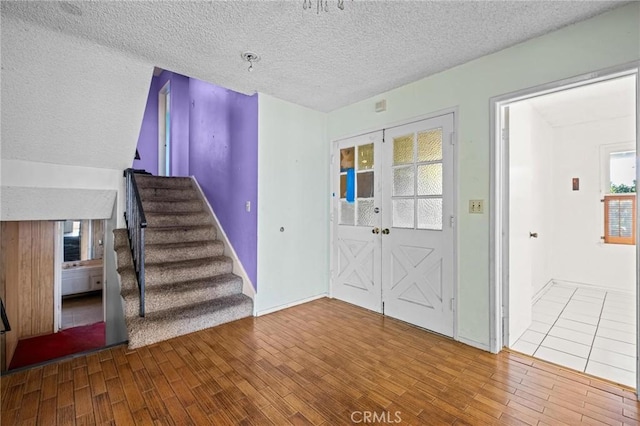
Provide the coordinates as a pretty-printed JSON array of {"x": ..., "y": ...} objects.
[{"x": 66, "y": 342}]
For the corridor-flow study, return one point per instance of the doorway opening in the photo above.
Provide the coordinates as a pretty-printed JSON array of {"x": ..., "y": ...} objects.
[
  {"x": 164, "y": 130},
  {"x": 81, "y": 273},
  {"x": 565, "y": 233}
]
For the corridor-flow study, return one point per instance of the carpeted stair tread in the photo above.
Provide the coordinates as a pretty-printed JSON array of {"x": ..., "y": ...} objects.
[
  {"x": 164, "y": 205},
  {"x": 149, "y": 181},
  {"x": 176, "y": 234},
  {"x": 168, "y": 323},
  {"x": 182, "y": 293},
  {"x": 173, "y": 193},
  {"x": 158, "y": 253},
  {"x": 185, "y": 270},
  {"x": 163, "y": 219},
  {"x": 155, "y": 253}
]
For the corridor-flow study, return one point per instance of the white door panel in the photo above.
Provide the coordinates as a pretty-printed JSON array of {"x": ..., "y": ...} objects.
[
  {"x": 417, "y": 251},
  {"x": 356, "y": 265}
]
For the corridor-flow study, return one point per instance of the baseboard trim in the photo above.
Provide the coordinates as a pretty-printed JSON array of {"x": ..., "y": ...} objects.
[
  {"x": 592, "y": 286},
  {"x": 475, "y": 344},
  {"x": 290, "y": 305},
  {"x": 542, "y": 291},
  {"x": 238, "y": 269}
]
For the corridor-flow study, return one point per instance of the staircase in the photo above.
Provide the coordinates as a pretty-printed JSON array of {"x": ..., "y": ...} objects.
[{"x": 189, "y": 284}]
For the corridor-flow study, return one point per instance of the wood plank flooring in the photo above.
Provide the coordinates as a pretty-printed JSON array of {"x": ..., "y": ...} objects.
[{"x": 324, "y": 362}]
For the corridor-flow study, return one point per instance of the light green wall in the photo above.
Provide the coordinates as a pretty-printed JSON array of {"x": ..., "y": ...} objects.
[
  {"x": 604, "y": 41},
  {"x": 293, "y": 188}
]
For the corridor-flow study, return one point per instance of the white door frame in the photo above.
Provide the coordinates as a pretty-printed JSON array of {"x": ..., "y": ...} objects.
[
  {"x": 58, "y": 258},
  {"x": 334, "y": 151},
  {"x": 499, "y": 197},
  {"x": 164, "y": 94}
]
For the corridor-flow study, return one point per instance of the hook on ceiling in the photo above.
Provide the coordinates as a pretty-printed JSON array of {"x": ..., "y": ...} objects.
[{"x": 250, "y": 57}]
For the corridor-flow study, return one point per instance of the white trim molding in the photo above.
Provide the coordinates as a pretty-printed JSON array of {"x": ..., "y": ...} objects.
[
  {"x": 290, "y": 305},
  {"x": 229, "y": 251}
]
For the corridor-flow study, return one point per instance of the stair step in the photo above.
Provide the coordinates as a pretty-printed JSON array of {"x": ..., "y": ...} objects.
[
  {"x": 173, "y": 219},
  {"x": 158, "y": 253},
  {"x": 168, "y": 323},
  {"x": 179, "y": 234},
  {"x": 155, "y": 253},
  {"x": 150, "y": 181},
  {"x": 157, "y": 274},
  {"x": 186, "y": 270},
  {"x": 181, "y": 294},
  {"x": 169, "y": 193},
  {"x": 162, "y": 205}
]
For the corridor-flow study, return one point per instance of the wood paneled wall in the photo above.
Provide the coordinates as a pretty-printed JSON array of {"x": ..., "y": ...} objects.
[
  {"x": 27, "y": 274},
  {"x": 8, "y": 275}
]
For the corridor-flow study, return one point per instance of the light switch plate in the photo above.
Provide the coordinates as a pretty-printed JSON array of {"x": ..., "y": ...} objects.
[{"x": 476, "y": 206}]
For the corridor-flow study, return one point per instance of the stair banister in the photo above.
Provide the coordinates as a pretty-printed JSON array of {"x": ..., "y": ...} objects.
[{"x": 136, "y": 224}]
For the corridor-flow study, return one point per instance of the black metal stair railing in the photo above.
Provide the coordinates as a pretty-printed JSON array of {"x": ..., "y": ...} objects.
[
  {"x": 5, "y": 321},
  {"x": 136, "y": 224}
]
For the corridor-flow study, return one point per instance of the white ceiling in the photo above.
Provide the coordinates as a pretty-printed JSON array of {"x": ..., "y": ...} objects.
[
  {"x": 599, "y": 101},
  {"x": 322, "y": 61}
]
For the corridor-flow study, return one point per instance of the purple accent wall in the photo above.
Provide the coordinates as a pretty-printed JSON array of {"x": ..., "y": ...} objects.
[
  {"x": 148, "y": 139},
  {"x": 223, "y": 150},
  {"x": 214, "y": 135}
]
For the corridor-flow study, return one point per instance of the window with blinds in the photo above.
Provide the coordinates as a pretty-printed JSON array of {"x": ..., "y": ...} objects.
[{"x": 620, "y": 219}]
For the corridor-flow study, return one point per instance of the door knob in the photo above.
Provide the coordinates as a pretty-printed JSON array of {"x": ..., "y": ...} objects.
[
  {"x": 375, "y": 231},
  {"x": 533, "y": 235},
  {"x": 385, "y": 231}
]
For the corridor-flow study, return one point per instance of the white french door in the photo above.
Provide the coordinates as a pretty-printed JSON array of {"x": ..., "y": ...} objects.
[
  {"x": 357, "y": 199},
  {"x": 393, "y": 222},
  {"x": 418, "y": 238}
]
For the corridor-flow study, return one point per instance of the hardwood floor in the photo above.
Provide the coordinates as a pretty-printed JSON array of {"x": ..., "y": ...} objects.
[{"x": 325, "y": 362}]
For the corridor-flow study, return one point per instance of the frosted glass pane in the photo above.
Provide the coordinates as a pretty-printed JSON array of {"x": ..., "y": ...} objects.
[
  {"x": 430, "y": 179},
  {"x": 430, "y": 145},
  {"x": 365, "y": 157},
  {"x": 365, "y": 185},
  {"x": 343, "y": 186},
  {"x": 403, "y": 214},
  {"x": 403, "y": 182},
  {"x": 347, "y": 213},
  {"x": 365, "y": 213},
  {"x": 430, "y": 214},
  {"x": 403, "y": 149},
  {"x": 346, "y": 158}
]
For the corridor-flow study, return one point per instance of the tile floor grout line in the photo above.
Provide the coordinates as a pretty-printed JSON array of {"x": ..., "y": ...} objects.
[
  {"x": 554, "y": 323},
  {"x": 596, "y": 332}
]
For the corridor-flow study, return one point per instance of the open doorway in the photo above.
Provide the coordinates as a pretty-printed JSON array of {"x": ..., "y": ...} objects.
[
  {"x": 164, "y": 130},
  {"x": 81, "y": 275},
  {"x": 568, "y": 218}
]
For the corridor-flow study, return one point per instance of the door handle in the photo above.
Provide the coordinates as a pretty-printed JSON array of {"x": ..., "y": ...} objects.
[
  {"x": 385, "y": 231},
  {"x": 533, "y": 235},
  {"x": 375, "y": 231}
]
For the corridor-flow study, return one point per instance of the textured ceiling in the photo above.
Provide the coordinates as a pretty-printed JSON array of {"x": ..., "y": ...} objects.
[
  {"x": 322, "y": 61},
  {"x": 69, "y": 101},
  {"x": 600, "y": 101}
]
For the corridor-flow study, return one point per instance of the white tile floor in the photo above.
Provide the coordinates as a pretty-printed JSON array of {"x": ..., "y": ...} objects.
[{"x": 585, "y": 329}]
